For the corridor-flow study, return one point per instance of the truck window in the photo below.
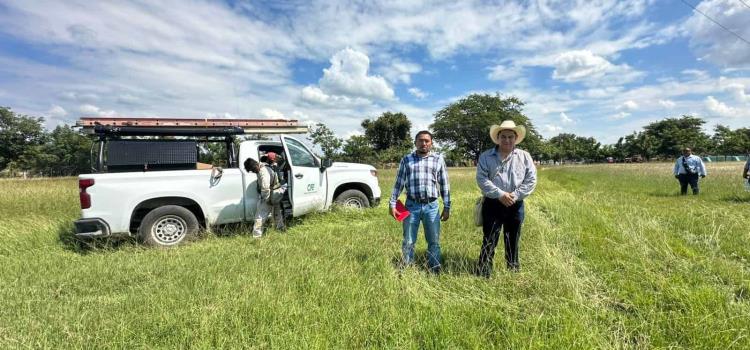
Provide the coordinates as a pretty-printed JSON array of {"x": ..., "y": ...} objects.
[
  {"x": 214, "y": 153},
  {"x": 299, "y": 154}
]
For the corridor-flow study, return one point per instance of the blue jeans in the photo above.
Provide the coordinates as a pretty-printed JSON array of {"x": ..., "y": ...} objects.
[{"x": 429, "y": 215}]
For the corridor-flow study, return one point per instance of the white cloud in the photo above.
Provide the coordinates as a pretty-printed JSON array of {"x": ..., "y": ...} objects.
[
  {"x": 300, "y": 115},
  {"x": 401, "y": 71},
  {"x": 696, "y": 73},
  {"x": 737, "y": 91},
  {"x": 715, "y": 44},
  {"x": 503, "y": 72},
  {"x": 720, "y": 109},
  {"x": 351, "y": 133},
  {"x": 82, "y": 97},
  {"x": 578, "y": 65},
  {"x": 668, "y": 104},
  {"x": 565, "y": 119},
  {"x": 628, "y": 105},
  {"x": 57, "y": 112},
  {"x": 128, "y": 99},
  {"x": 91, "y": 110},
  {"x": 619, "y": 116},
  {"x": 271, "y": 113},
  {"x": 88, "y": 109},
  {"x": 347, "y": 76},
  {"x": 551, "y": 128},
  {"x": 587, "y": 67},
  {"x": 419, "y": 94},
  {"x": 315, "y": 96},
  {"x": 600, "y": 92}
]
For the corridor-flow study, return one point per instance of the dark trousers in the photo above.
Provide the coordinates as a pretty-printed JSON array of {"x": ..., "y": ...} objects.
[
  {"x": 691, "y": 179},
  {"x": 496, "y": 216}
]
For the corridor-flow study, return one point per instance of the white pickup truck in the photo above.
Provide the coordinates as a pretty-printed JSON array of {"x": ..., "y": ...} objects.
[{"x": 161, "y": 208}]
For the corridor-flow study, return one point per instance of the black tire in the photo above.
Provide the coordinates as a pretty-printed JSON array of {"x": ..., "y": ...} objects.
[
  {"x": 353, "y": 199},
  {"x": 167, "y": 226}
]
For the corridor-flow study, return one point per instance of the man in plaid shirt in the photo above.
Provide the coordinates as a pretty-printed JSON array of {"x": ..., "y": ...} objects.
[{"x": 425, "y": 177}]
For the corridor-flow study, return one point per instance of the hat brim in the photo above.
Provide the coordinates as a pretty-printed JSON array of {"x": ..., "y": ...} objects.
[{"x": 495, "y": 130}]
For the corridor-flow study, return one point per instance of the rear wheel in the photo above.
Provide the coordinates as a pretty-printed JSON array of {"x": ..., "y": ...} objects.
[
  {"x": 167, "y": 226},
  {"x": 353, "y": 199}
]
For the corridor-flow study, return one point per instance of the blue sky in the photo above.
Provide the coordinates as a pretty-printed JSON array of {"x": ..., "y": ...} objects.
[{"x": 598, "y": 68}]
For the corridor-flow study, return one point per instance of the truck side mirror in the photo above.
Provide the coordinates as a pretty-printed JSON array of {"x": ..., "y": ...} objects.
[{"x": 325, "y": 164}]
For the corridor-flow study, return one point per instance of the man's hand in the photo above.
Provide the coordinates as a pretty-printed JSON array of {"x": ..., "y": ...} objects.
[
  {"x": 445, "y": 215},
  {"x": 702, "y": 176},
  {"x": 745, "y": 175},
  {"x": 394, "y": 213},
  {"x": 507, "y": 199},
  {"x": 677, "y": 176}
]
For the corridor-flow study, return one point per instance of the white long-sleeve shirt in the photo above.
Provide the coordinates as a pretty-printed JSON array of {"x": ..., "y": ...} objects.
[
  {"x": 694, "y": 163},
  {"x": 515, "y": 174}
]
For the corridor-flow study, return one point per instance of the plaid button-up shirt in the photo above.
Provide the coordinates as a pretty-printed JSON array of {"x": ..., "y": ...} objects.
[{"x": 422, "y": 176}]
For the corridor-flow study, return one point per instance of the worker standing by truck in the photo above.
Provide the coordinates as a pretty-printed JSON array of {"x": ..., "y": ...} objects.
[{"x": 267, "y": 182}]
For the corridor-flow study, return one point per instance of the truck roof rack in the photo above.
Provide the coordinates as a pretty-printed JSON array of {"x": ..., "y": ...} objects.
[{"x": 187, "y": 127}]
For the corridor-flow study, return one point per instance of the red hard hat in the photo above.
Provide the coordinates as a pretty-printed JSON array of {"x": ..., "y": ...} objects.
[{"x": 271, "y": 156}]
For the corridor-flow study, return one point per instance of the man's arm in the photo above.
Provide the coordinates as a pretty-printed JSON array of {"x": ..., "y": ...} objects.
[
  {"x": 529, "y": 181},
  {"x": 483, "y": 179},
  {"x": 445, "y": 189},
  {"x": 398, "y": 186},
  {"x": 264, "y": 179}
]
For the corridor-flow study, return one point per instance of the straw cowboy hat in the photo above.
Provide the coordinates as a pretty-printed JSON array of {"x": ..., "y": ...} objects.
[{"x": 495, "y": 130}]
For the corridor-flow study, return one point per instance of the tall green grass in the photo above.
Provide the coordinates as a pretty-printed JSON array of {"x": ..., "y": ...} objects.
[{"x": 611, "y": 257}]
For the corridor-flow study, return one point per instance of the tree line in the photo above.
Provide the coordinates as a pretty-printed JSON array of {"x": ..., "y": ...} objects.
[
  {"x": 27, "y": 147},
  {"x": 460, "y": 131}
]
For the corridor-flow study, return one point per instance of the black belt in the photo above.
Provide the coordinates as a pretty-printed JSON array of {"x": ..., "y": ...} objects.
[{"x": 423, "y": 200}]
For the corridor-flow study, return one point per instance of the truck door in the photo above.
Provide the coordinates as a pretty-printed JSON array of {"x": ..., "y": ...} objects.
[{"x": 307, "y": 184}]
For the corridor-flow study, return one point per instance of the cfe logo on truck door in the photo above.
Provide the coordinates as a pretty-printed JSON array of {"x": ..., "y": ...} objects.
[{"x": 310, "y": 188}]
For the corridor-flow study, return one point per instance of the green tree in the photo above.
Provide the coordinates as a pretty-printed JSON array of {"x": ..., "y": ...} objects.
[
  {"x": 18, "y": 134},
  {"x": 572, "y": 147},
  {"x": 565, "y": 146},
  {"x": 669, "y": 136},
  {"x": 387, "y": 130},
  {"x": 726, "y": 141},
  {"x": 66, "y": 152},
  {"x": 324, "y": 138},
  {"x": 71, "y": 150},
  {"x": 465, "y": 124},
  {"x": 607, "y": 151},
  {"x": 358, "y": 149},
  {"x": 620, "y": 150},
  {"x": 641, "y": 144}
]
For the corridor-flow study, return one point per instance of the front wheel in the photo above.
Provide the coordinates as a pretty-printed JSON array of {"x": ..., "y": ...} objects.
[
  {"x": 353, "y": 199},
  {"x": 167, "y": 226}
]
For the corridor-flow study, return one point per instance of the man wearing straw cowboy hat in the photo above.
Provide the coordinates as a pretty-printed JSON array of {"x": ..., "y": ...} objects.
[{"x": 506, "y": 175}]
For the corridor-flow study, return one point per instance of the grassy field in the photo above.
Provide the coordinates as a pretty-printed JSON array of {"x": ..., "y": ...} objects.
[{"x": 612, "y": 258}]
